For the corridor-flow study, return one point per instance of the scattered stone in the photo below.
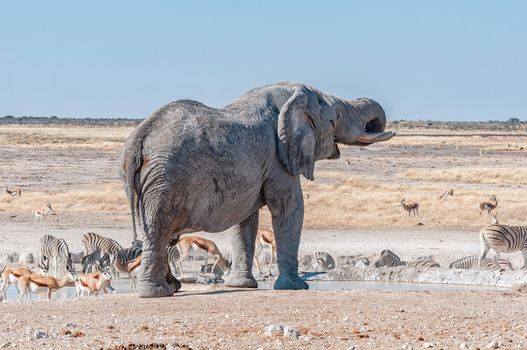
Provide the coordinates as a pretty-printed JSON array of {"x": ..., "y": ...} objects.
[
  {"x": 291, "y": 332},
  {"x": 70, "y": 325},
  {"x": 41, "y": 334},
  {"x": 463, "y": 346},
  {"x": 428, "y": 345},
  {"x": 352, "y": 348},
  {"x": 520, "y": 287},
  {"x": 5, "y": 345},
  {"x": 274, "y": 329},
  {"x": 77, "y": 334},
  {"x": 492, "y": 345}
]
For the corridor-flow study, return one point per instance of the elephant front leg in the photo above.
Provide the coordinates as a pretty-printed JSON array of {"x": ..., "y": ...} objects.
[
  {"x": 242, "y": 254},
  {"x": 287, "y": 210},
  {"x": 152, "y": 277}
]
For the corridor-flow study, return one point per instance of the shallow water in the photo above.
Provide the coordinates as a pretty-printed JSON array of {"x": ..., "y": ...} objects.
[{"x": 123, "y": 286}]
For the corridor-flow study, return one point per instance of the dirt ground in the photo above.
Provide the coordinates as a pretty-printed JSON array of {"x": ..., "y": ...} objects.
[
  {"x": 351, "y": 208},
  {"x": 217, "y": 318}
]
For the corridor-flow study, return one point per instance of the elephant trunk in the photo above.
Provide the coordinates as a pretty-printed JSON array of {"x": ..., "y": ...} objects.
[{"x": 362, "y": 122}]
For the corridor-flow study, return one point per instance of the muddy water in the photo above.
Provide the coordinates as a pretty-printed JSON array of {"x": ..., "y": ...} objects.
[{"x": 123, "y": 286}]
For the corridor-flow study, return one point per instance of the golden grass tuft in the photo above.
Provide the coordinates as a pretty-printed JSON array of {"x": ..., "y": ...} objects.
[
  {"x": 106, "y": 199},
  {"x": 468, "y": 175},
  {"x": 104, "y": 139}
]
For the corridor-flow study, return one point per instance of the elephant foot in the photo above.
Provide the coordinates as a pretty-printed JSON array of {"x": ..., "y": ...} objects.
[
  {"x": 290, "y": 282},
  {"x": 240, "y": 280},
  {"x": 147, "y": 289}
]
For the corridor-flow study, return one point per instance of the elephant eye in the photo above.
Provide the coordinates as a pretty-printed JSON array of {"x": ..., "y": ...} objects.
[{"x": 332, "y": 123}]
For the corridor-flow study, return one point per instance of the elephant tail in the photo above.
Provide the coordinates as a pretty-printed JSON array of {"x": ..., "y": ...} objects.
[{"x": 132, "y": 164}]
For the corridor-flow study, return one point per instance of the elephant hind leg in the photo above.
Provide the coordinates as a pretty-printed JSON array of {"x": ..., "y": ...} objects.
[
  {"x": 151, "y": 280},
  {"x": 243, "y": 243}
]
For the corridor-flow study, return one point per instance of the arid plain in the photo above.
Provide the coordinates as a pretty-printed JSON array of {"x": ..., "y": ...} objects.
[{"x": 352, "y": 208}]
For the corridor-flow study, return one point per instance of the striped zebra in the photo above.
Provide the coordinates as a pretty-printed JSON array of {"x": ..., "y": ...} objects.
[
  {"x": 94, "y": 262},
  {"x": 91, "y": 262},
  {"x": 53, "y": 247},
  {"x": 92, "y": 241},
  {"x": 173, "y": 255},
  {"x": 503, "y": 239},
  {"x": 390, "y": 259},
  {"x": 472, "y": 262},
  {"x": 324, "y": 261}
]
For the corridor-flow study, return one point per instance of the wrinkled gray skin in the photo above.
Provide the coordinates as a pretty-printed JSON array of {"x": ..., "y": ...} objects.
[{"x": 189, "y": 167}]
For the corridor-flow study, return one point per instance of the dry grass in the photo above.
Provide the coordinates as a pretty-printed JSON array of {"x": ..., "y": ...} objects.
[
  {"x": 107, "y": 199},
  {"x": 359, "y": 203},
  {"x": 471, "y": 175},
  {"x": 64, "y": 138},
  {"x": 417, "y": 165}
]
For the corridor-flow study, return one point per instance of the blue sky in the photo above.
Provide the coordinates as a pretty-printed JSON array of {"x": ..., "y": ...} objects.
[{"x": 441, "y": 60}]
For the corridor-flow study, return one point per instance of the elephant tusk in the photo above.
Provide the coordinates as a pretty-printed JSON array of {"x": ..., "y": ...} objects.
[{"x": 372, "y": 137}]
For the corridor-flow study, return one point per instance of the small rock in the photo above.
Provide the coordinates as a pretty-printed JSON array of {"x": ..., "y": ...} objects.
[
  {"x": 519, "y": 287},
  {"x": 5, "y": 345},
  {"x": 70, "y": 325},
  {"x": 492, "y": 345},
  {"x": 352, "y": 348},
  {"x": 291, "y": 332},
  {"x": 41, "y": 334},
  {"x": 463, "y": 346},
  {"x": 428, "y": 345},
  {"x": 274, "y": 329}
]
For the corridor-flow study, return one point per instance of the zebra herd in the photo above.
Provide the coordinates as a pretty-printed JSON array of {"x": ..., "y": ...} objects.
[
  {"x": 497, "y": 237},
  {"x": 388, "y": 258}
]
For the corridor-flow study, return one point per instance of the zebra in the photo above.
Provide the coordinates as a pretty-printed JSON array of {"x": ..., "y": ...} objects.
[
  {"x": 92, "y": 262},
  {"x": 503, "y": 239},
  {"x": 472, "y": 262},
  {"x": 324, "y": 261},
  {"x": 136, "y": 243},
  {"x": 53, "y": 247},
  {"x": 92, "y": 241},
  {"x": 132, "y": 252},
  {"x": 390, "y": 259},
  {"x": 173, "y": 255}
]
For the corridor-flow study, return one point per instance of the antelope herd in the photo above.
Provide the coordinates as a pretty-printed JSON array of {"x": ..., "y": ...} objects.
[{"x": 488, "y": 205}]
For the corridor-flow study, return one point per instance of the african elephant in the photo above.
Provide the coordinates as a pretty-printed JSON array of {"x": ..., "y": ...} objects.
[{"x": 189, "y": 167}]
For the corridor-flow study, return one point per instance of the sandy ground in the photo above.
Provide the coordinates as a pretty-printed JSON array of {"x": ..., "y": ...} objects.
[{"x": 216, "y": 318}]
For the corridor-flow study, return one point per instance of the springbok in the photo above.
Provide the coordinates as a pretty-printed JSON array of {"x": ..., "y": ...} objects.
[
  {"x": 265, "y": 238},
  {"x": 92, "y": 283},
  {"x": 10, "y": 275},
  {"x": 410, "y": 208},
  {"x": 185, "y": 245},
  {"x": 489, "y": 206},
  {"x": 13, "y": 191},
  {"x": 40, "y": 284},
  {"x": 40, "y": 215},
  {"x": 449, "y": 192}
]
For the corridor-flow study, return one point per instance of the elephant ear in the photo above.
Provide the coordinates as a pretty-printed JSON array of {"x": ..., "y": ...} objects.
[{"x": 296, "y": 132}]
